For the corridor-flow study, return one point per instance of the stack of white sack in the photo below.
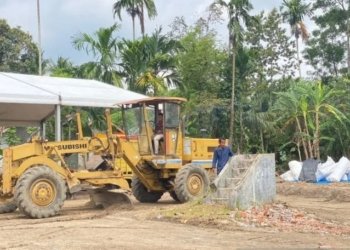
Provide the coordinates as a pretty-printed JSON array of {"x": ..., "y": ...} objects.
[
  {"x": 294, "y": 171},
  {"x": 339, "y": 171},
  {"x": 330, "y": 171}
]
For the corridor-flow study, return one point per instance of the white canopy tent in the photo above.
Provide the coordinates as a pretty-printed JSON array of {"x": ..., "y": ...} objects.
[{"x": 27, "y": 100}]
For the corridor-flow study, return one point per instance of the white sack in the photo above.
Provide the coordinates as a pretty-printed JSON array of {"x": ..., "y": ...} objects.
[
  {"x": 295, "y": 168},
  {"x": 288, "y": 176},
  {"x": 324, "y": 169},
  {"x": 339, "y": 171}
]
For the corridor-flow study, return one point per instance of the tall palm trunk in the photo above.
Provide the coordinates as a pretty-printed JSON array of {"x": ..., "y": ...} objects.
[
  {"x": 317, "y": 134},
  {"x": 298, "y": 56},
  {"x": 142, "y": 21},
  {"x": 133, "y": 28},
  {"x": 348, "y": 48},
  {"x": 232, "y": 111}
]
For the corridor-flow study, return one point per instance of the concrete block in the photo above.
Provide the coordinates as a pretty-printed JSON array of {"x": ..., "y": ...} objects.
[{"x": 253, "y": 184}]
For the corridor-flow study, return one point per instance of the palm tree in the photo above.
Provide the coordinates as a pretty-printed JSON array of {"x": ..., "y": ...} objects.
[
  {"x": 238, "y": 17},
  {"x": 132, "y": 8},
  {"x": 135, "y": 8},
  {"x": 151, "y": 10},
  {"x": 148, "y": 64},
  {"x": 321, "y": 99},
  {"x": 294, "y": 12},
  {"x": 103, "y": 47},
  {"x": 63, "y": 68}
]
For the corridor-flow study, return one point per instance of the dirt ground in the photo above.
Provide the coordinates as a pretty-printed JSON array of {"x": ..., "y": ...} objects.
[{"x": 303, "y": 216}]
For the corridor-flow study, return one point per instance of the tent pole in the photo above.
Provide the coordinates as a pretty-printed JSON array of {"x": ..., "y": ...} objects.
[
  {"x": 43, "y": 130},
  {"x": 58, "y": 123}
]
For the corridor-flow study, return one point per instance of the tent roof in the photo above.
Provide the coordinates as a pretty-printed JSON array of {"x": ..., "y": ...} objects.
[{"x": 28, "y": 99}]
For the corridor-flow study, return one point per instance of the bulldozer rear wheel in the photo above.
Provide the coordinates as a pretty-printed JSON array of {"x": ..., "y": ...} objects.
[
  {"x": 142, "y": 194},
  {"x": 191, "y": 182},
  {"x": 7, "y": 206},
  {"x": 40, "y": 192}
]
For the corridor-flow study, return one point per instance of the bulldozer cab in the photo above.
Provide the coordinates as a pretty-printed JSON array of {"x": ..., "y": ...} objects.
[{"x": 155, "y": 122}]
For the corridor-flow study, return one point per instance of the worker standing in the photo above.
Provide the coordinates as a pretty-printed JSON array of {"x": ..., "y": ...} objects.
[
  {"x": 221, "y": 156},
  {"x": 158, "y": 132}
]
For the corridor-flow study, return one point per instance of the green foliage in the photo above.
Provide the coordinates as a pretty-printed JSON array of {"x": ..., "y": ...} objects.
[
  {"x": 326, "y": 51},
  {"x": 272, "y": 51},
  {"x": 311, "y": 109},
  {"x": 18, "y": 53},
  {"x": 148, "y": 64},
  {"x": 103, "y": 47},
  {"x": 11, "y": 137},
  {"x": 200, "y": 64},
  {"x": 64, "y": 68}
]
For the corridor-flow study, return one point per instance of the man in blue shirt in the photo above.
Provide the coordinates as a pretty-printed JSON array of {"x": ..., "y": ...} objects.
[{"x": 221, "y": 156}]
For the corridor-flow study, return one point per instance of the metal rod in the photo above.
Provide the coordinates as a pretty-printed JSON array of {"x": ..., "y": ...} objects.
[{"x": 58, "y": 123}]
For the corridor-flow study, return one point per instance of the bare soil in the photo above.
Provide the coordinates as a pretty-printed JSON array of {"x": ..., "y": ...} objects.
[{"x": 303, "y": 216}]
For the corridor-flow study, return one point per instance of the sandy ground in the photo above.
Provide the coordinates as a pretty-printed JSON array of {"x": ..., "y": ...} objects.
[{"x": 143, "y": 227}]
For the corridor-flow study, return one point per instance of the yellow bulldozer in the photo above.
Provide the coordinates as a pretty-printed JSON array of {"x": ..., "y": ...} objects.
[{"x": 36, "y": 177}]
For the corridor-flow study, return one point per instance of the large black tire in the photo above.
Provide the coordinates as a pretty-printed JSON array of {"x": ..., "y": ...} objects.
[
  {"x": 191, "y": 182},
  {"x": 142, "y": 194},
  {"x": 8, "y": 206},
  {"x": 40, "y": 192}
]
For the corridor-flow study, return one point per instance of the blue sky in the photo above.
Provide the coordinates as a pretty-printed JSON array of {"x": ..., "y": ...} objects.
[{"x": 62, "y": 19}]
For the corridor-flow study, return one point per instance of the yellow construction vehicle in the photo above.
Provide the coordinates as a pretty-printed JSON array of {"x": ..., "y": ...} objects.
[{"x": 36, "y": 178}]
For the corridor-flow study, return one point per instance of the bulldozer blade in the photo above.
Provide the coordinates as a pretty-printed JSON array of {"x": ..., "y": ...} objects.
[
  {"x": 110, "y": 199},
  {"x": 7, "y": 206}
]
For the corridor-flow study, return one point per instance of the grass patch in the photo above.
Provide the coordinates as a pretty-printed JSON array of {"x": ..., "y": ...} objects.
[{"x": 196, "y": 211}]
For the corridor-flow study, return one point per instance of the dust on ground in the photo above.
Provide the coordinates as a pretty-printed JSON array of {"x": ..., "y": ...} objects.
[{"x": 303, "y": 216}]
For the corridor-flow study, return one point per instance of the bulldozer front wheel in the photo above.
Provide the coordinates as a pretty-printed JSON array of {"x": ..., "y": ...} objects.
[
  {"x": 40, "y": 192},
  {"x": 7, "y": 206},
  {"x": 191, "y": 182},
  {"x": 142, "y": 194}
]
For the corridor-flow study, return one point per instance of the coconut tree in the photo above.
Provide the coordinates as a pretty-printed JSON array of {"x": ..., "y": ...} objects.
[
  {"x": 131, "y": 7},
  {"x": 294, "y": 11},
  {"x": 238, "y": 15},
  {"x": 63, "y": 68},
  {"x": 150, "y": 7},
  {"x": 103, "y": 47},
  {"x": 136, "y": 8}
]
